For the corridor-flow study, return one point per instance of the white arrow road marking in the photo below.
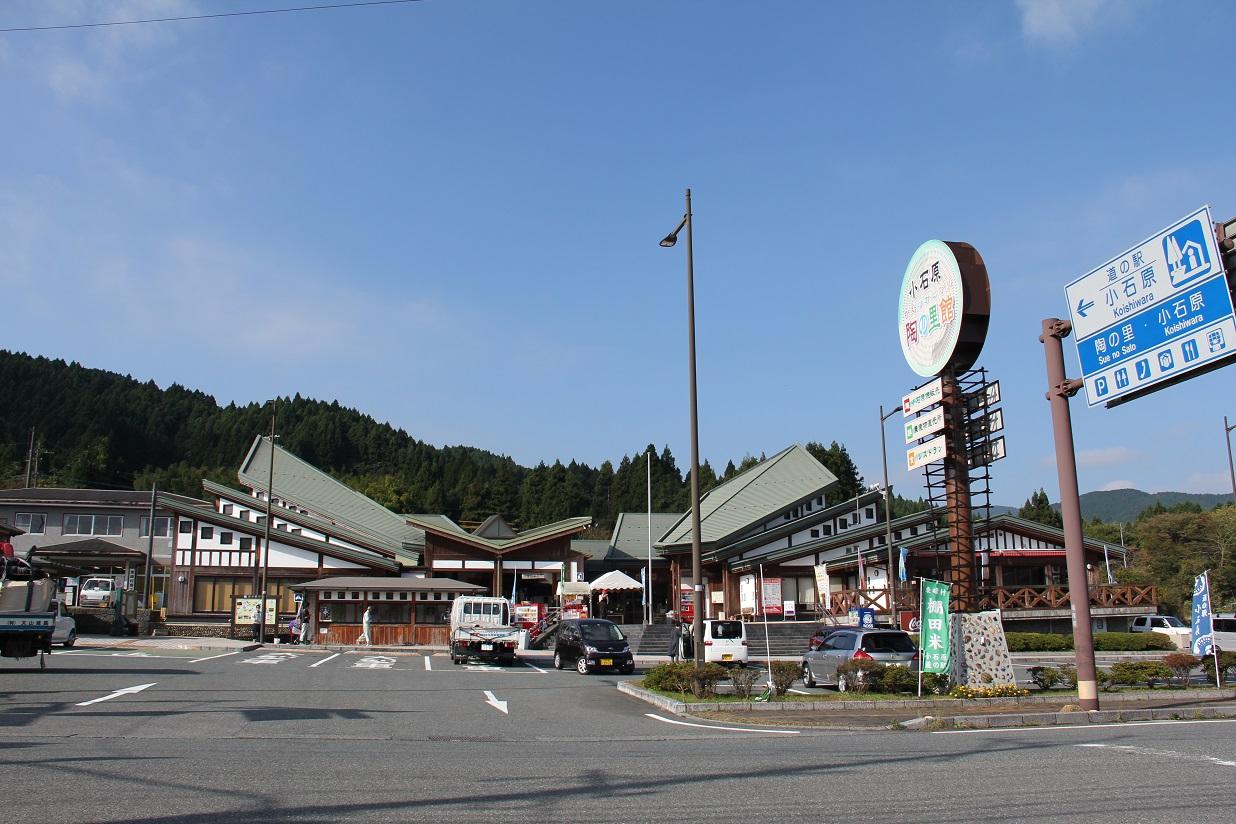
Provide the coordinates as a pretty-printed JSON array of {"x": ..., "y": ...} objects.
[
  {"x": 428, "y": 663},
  {"x": 116, "y": 694},
  {"x": 656, "y": 717},
  {"x": 500, "y": 706},
  {"x": 324, "y": 660}
]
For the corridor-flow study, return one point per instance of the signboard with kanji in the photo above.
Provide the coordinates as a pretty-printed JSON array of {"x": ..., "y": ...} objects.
[
  {"x": 1154, "y": 312},
  {"x": 933, "y": 634},
  {"x": 944, "y": 308}
]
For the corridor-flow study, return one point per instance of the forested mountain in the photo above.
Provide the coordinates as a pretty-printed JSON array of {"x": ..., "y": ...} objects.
[
  {"x": 1126, "y": 504},
  {"x": 95, "y": 428}
]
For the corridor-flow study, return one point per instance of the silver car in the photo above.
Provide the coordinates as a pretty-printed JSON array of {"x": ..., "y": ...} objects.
[{"x": 887, "y": 646}]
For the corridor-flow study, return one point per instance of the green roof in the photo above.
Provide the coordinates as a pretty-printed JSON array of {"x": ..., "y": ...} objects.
[
  {"x": 499, "y": 545},
  {"x": 630, "y": 538},
  {"x": 304, "y": 485},
  {"x": 752, "y": 497}
]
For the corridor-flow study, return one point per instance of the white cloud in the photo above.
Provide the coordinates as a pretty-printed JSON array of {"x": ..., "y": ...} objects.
[
  {"x": 1062, "y": 22},
  {"x": 1120, "y": 484},
  {"x": 1105, "y": 457}
]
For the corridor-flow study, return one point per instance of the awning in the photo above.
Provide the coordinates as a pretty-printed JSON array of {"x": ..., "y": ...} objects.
[
  {"x": 573, "y": 588},
  {"x": 617, "y": 580}
]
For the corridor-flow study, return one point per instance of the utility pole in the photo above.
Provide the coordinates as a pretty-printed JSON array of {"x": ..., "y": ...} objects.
[
  {"x": 270, "y": 494},
  {"x": 888, "y": 522},
  {"x": 154, "y": 494},
  {"x": 30, "y": 457},
  {"x": 1227, "y": 435},
  {"x": 1059, "y": 390}
]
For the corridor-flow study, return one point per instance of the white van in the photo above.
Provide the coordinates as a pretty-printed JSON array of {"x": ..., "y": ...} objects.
[
  {"x": 1224, "y": 626},
  {"x": 725, "y": 642}
]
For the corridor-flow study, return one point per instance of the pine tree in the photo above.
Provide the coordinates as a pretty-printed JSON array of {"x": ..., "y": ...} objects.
[{"x": 1038, "y": 508}]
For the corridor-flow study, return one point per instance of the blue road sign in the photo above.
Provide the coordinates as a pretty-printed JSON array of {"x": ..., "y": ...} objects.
[{"x": 1158, "y": 310}]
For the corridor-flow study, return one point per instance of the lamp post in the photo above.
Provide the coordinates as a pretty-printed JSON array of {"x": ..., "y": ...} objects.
[
  {"x": 697, "y": 596},
  {"x": 270, "y": 494},
  {"x": 888, "y": 520},
  {"x": 1227, "y": 434}
]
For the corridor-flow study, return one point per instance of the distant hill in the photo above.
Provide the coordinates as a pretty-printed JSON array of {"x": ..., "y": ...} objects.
[{"x": 1127, "y": 504}]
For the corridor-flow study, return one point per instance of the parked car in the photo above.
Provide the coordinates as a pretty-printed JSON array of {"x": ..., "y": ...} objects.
[
  {"x": 725, "y": 642},
  {"x": 1168, "y": 625},
  {"x": 591, "y": 644},
  {"x": 65, "y": 632},
  {"x": 97, "y": 592},
  {"x": 1224, "y": 628},
  {"x": 824, "y": 631},
  {"x": 887, "y": 646}
]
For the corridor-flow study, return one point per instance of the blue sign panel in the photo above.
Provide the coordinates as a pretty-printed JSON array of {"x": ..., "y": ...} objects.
[{"x": 1160, "y": 309}]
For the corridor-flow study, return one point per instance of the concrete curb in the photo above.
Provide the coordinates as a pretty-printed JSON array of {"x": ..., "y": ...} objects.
[
  {"x": 1071, "y": 719},
  {"x": 683, "y": 708}
]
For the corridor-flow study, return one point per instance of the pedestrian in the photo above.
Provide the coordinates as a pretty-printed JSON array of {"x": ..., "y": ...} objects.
[
  {"x": 366, "y": 620},
  {"x": 294, "y": 630},
  {"x": 675, "y": 642},
  {"x": 303, "y": 617}
]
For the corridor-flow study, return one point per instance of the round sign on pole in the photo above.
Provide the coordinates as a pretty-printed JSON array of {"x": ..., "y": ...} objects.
[{"x": 944, "y": 308}]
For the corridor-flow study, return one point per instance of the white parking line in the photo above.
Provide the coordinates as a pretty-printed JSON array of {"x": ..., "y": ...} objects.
[
  {"x": 324, "y": 660},
  {"x": 116, "y": 694},
  {"x": 1161, "y": 753},
  {"x": 535, "y": 667},
  {"x": 212, "y": 657},
  {"x": 428, "y": 664},
  {"x": 656, "y": 717}
]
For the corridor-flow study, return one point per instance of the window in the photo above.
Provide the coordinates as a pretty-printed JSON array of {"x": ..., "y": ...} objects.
[
  {"x": 243, "y": 514},
  {"x": 246, "y": 544},
  {"x": 208, "y": 532},
  {"x": 869, "y": 513},
  {"x": 35, "y": 523},
  {"x": 186, "y": 527},
  {"x": 93, "y": 524},
  {"x": 432, "y": 613},
  {"x": 213, "y": 593},
  {"x": 163, "y": 527},
  {"x": 261, "y": 519},
  {"x": 225, "y": 538},
  {"x": 815, "y": 533},
  {"x": 227, "y": 509},
  {"x": 842, "y": 523},
  {"x": 296, "y": 530}
]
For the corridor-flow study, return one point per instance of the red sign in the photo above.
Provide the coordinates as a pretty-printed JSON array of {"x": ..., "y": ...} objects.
[
  {"x": 770, "y": 598},
  {"x": 909, "y": 620},
  {"x": 686, "y": 610}
]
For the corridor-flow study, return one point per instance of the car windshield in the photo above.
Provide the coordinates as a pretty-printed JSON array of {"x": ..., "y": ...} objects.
[
  {"x": 600, "y": 631},
  {"x": 887, "y": 642},
  {"x": 1173, "y": 621},
  {"x": 727, "y": 629}
]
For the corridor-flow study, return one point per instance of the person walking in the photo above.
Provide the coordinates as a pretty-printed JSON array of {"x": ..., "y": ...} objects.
[
  {"x": 675, "y": 641},
  {"x": 303, "y": 617}
]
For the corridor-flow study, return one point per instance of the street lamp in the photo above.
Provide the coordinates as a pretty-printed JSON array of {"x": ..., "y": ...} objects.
[
  {"x": 697, "y": 595},
  {"x": 270, "y": 496}
]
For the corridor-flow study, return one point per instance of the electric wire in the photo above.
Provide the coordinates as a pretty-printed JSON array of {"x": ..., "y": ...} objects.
[{"x": 214, "y": 16}]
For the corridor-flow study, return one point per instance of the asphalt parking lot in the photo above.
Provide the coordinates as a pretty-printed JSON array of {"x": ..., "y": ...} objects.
[{"x": 285, "y": 734}]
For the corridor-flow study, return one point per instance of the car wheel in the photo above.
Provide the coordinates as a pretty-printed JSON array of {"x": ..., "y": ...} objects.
[
  {"x": 557, "y": 660},
  {"x": 843, "y": 683},
  {"x": 581, "y": 665},
  {"x": 808, "y": 678},
  {"x": 71, "y": 640}
]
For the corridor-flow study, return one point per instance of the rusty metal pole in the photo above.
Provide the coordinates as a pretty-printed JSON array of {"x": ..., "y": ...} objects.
[
  {"x": 957, "y": 496},
  {"x": 1059, "y": 390}
]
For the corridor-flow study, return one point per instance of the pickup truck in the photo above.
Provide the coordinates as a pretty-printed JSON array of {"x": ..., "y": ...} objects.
[
  {"x": 27, "y": 614},
  {"x": 481, "y": 630}
]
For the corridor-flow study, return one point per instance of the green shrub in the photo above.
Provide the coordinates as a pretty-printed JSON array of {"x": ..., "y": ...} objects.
[
  {"x": 1227, "y": 662},
  {"x": 1000, "y": 691},
  {"x": 1068, "y": 676},
  {"x": 1045, "y": 677},
  {"x": 897, "y": 679},
  {"x": 861, "y": 674},
  {"x": 1140, "y": 672},
  {"x": 783, "y": 675},
  {"x": 935, "y": 683},
  {"x": 1182, "y": 665},
  {"x": 704, "y": 679},
  {"x": 670, "y": 677},
  {"x": 744, "y": 680},
  {"x": 1131, "y": 642},
  {"x": 1102, "y": 679},
  {"x": 1038, "y": 642}
]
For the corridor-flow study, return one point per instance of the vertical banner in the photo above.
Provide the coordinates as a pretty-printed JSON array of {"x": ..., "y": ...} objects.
[
  {"x": 822, "y": 588},
  {"x": 901, "y": 564},
  {"x": 1203, "y": 635},
  {"x": 934, "y": 637},
  {"x": 770, "y": 596}
]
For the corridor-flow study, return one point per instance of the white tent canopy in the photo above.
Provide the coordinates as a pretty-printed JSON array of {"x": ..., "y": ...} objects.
[{"x": 617, "y": 580}]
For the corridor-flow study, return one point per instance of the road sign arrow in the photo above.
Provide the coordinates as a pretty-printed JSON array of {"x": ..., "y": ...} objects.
[
  {"x": 1084, "y": 306},
  {"x": 116, "y": 694},
  {"x": 500, "y": 706}
]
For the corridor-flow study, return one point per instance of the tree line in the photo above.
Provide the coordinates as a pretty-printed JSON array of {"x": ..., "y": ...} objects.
[{"x": 95, "y": 428}]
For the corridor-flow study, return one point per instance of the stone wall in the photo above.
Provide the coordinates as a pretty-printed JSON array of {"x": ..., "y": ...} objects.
[{"x": 980, "y": 651}]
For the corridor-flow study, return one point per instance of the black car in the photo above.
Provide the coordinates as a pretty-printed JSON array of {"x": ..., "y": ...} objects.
[{"x": 591, "y": 644}]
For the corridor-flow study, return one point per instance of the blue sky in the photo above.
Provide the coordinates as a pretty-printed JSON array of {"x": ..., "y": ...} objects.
[{"x": 446, "y": 214}]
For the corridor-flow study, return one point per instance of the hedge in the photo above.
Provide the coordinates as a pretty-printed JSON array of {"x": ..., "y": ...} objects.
[{"x": 1103, "y": 642}]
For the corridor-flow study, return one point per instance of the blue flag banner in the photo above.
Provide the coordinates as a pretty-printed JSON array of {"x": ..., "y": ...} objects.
[
  {"x": 643, "y": 598},
  {"x": 1203, "y": 634},
  {"x": 901, "y": 565}
]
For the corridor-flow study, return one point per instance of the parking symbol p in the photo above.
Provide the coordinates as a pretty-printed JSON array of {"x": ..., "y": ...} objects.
[{"x": 1100, "y": 386}]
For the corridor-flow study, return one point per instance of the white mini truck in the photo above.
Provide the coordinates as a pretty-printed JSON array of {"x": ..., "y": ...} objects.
[{"x": 481, "y": 630}]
